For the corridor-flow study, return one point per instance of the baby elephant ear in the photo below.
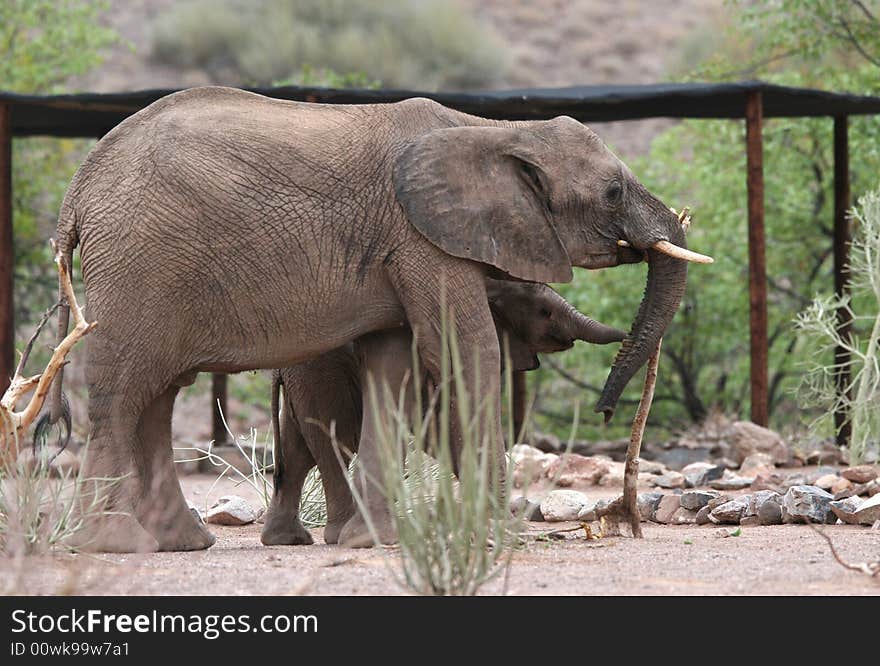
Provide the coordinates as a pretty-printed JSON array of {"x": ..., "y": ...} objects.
[{"x": 473, "y": 192}]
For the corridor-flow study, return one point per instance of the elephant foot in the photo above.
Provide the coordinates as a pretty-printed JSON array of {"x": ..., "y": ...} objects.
[
  {"x": 112, "y": 534},
  {"x": 285, "y": 532},
  {"x": 356, "y": 534},
  {"x": 186, "y": 535}
]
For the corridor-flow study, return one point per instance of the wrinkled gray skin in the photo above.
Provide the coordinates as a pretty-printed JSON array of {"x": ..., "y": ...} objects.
[
  {"x": 334, "y": 389},
  {"x": 223, "y": 231}
]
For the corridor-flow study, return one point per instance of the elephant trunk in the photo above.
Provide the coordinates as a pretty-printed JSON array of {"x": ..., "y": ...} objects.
[
  {"x": 590, "y": 330},
  {"x": 667, "y": 278}
]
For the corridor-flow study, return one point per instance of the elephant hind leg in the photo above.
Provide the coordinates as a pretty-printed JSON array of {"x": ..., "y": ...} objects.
[
  {"x": 161, "y": 507},
  {"x": 107, "y": 503},
  {"x": 293, "y": 461}
]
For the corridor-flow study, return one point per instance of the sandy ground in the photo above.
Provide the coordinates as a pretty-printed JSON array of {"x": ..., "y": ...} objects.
[{"x": 777, "y": 560}]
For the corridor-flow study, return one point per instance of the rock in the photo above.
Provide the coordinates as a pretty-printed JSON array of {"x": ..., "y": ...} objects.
[
  {"x": 807, "y": 503},
  {"x": 767, "y": 506},
  {"x": 845, "y": 509},
  {"x": 546, "y": 442},
  {"x": 588, "y": 511},
  {"x": 701, "y": 473},
  {"x": 680, "y": 457},
  {"x": 810, "y": 476},
  {"x": 683, "y": 516},
  {"x": 826, "y": 481},
  {"x": 773, "y": 481},
  {"x": 718, "y": 501},
  {"x": 530, "y": 464},
  {"x": 533, "y": 512},
  {"x": 747, "y": 438},
  {"x": 860, "y": 473},
  {"x": 697, "y": 499},
  {"x": 671, "y": 479},
  {"x": 518, "y": 504},
  {"x": 756, "y": 463},
  {"x": 614, "y": 475},
  {"x": 231, "y": 510},
  {"x": 702, "y": 517},
  {"x": 648, "y": 503},
  {"x": 872, "y": 488},
  {"x": 571, "y": 468},
  {"x": 854, "y": 490},
  {"x": 750, "y": 521},
  {"x": 827, "y": 453},
  {"x": 560, "y": 505},
  {"x": 667, "y": 507},
  {"x": 840, "y": 485},
  {"x": 196, "y": 512},
  {"x": 731, "y": 512},
  {"x": 651, "y": 467},
  {"x": 732, "y": 481},
  {"x": 869, "y": 511}
]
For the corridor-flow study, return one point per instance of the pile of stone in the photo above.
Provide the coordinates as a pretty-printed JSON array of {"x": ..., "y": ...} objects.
[{"x": 742, "y": 487}]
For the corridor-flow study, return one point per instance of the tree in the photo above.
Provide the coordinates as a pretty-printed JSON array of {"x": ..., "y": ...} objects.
[{"x": 829, "y": 44}]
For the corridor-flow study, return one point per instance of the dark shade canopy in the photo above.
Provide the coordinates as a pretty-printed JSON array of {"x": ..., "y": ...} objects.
[{"x": 92, "y": 114}]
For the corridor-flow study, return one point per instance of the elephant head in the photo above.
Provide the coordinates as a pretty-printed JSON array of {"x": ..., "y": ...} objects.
[
  {"x": 535, "y": 199},
  {"x": 537, "y": 320}
]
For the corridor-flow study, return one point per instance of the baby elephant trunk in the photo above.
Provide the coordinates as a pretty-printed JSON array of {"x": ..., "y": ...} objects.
[{"x": 590, "y": 330}]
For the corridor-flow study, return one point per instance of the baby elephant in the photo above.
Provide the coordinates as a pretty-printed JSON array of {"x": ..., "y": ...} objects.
[{"x": 532, "y": 318}]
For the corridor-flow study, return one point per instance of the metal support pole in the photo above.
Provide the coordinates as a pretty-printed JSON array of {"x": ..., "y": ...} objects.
[
  {"x": 757, "y": 260},
  {"x": 218, "y": 396},
  {"x": 7, "y": 256},
  {"x": 842, "y": 237}
]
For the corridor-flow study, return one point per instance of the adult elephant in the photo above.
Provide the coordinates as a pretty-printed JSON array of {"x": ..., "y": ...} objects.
[{"x": 223, "y": 231}]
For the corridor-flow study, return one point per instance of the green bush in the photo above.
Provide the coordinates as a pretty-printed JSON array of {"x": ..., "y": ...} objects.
[{"x": 426, "y": 45}]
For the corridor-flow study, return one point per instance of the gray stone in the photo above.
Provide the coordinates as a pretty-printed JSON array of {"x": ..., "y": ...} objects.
[
  {"x": 701, "y": 473},
  {"x": 732, "y": 481},
  {"x": 671, "y": 479},
  {"x": 750, "y": 521},
  {"x": 807, "y": 504},
  {"x": 683, "y": 516},
  {"x": 590, "y": 511},
  {"x": 667, "y": 507},
  {"x": 196, "y": 512},
  {"x": 845, "y": 509},
  {"x": 231, "y": 510},
  {"x": 560, "y": 505},
  {"x": 697, "y": 499},
  {"x": 680, "y": 457},
  {"x": 533, "y": 513},
  {"x": 648, "y": 503},
  {"x": 869, "y": 512},
  {"x": 571, "y": 468},
  {"x": 730, "y": 513},
  {"x": 767, "y": 506},
  {"x": 702, "y": 517},
  {"x": 651, "y": 466}
]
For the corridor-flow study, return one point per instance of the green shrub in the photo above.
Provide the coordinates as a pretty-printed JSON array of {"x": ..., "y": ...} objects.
[
  {"x": 425, "y": 45},
  {"x": 818, "y": 328}
]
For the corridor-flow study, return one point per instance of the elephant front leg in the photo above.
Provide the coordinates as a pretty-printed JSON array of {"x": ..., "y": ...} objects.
[{"x": 459, "y": 291}]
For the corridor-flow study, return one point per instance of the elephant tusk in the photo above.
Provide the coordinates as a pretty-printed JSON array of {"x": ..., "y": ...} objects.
[
  {"x": 675, "y": 251},
  {"x": 680, "y": 253}
]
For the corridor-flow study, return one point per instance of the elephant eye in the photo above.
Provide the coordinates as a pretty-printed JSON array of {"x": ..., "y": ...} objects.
[
  {"x": 546, "y": 313},
  {"x": 532, "y": 177},
  {"x": 614, "y": 192}
]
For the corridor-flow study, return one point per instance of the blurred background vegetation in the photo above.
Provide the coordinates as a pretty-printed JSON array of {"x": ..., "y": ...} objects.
[{"x": 70, "y": 45}]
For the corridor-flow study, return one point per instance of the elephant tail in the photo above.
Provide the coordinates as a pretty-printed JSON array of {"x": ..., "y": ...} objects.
[
  {"x": 59, "y": 406},
  {"x": 276, "y": 420}
]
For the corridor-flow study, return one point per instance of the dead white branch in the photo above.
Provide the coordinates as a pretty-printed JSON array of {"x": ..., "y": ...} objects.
[{"x": 13, "y": 423}]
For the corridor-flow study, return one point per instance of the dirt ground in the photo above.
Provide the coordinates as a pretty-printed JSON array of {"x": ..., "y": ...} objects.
[{"x": 670, "y": 560}]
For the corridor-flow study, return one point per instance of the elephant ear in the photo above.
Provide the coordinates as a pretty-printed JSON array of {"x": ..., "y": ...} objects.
[{"x": 475, "y": 193}]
